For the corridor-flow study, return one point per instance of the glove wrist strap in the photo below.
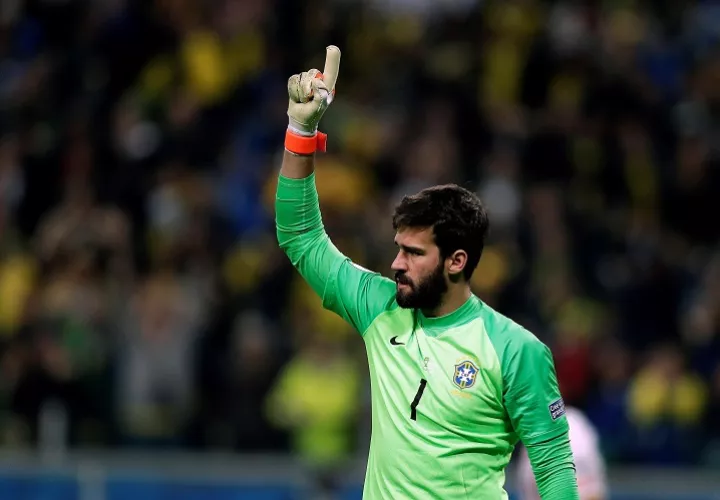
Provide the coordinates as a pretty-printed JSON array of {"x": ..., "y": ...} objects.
[{"x": 304, "y": 144}]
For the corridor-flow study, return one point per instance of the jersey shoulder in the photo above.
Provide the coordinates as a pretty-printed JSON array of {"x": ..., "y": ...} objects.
[
  {"x": 505, "y": 334},
  {"x": 359, "y": 295},
  {"x": 513, "y": 343},
  {"x": 388, "y": 316}
]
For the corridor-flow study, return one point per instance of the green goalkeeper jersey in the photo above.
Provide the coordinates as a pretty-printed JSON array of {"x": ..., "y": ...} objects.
[{"x": 452, "y": 395}]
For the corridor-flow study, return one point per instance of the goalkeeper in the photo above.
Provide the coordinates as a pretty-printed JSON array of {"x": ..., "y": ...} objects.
[{"x": 455, "y": 384}]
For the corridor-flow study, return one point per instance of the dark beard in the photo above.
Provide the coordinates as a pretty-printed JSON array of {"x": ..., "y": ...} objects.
[{"x": 426, "y": 295}]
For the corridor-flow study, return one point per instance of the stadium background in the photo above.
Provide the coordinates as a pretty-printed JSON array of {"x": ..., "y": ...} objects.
[{"x": 157, "y": 344}]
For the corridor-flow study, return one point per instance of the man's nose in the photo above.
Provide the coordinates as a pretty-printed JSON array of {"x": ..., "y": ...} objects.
[{"x": 399, "y": 263}]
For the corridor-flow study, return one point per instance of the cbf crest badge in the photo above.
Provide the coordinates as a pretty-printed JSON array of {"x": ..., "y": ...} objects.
[{"x": 465, "y": 374}]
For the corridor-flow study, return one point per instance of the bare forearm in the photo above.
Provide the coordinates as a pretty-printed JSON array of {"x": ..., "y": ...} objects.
[{"x": 297, "y": 166}]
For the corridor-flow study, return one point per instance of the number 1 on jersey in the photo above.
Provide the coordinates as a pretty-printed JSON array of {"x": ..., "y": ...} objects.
[{"x": 416, "y": 401}]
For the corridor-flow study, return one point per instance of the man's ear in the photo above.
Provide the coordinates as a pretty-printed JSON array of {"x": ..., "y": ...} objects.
[{"x": 456, "y": 262}]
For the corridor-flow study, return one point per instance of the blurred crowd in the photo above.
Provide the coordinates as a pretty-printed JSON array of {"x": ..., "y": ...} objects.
[{"x": 144, "y": 301}]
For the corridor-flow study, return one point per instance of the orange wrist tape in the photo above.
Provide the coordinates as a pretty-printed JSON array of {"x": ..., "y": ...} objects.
[{"x": 305, "y": 145}]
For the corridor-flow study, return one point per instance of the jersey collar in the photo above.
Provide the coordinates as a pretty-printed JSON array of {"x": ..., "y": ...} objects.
[{"x": 464, "y": 314}]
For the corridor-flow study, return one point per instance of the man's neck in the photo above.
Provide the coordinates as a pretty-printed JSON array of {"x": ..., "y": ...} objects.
[{"x": 454, "y": 299}]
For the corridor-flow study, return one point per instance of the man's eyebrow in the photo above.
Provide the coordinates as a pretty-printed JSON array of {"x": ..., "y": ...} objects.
[{"x": 409, "y": 248}]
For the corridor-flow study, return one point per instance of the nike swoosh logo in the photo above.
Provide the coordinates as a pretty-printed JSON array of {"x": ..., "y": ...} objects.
[{"x": 394, "y": 341}]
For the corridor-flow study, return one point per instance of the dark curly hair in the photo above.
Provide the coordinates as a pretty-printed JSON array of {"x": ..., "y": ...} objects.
[{"x": 457, "y": 216}]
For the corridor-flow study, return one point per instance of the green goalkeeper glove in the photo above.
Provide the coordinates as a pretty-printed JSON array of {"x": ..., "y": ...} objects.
[{"x": 310, "y": 92}]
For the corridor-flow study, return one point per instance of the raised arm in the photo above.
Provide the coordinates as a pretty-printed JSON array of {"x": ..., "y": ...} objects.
[
  {"x": 354, "y": 293},
  {"x": 310, "y": 94}
]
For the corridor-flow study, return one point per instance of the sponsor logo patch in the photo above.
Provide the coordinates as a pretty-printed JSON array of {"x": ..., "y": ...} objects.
[{"x": 557, "y": 409}]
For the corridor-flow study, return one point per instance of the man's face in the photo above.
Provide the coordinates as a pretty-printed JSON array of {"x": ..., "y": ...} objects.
[{"x": 419, "y": 270}]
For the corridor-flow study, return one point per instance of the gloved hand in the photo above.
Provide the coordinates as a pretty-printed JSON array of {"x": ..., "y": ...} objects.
[{"x": 311, "y": 92}]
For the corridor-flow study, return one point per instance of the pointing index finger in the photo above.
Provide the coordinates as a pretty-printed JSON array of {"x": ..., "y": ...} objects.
[{"x": 332, "y": 66}]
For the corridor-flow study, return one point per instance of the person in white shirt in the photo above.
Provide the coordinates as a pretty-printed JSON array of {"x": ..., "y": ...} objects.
[{"x": 589, "y": 462}]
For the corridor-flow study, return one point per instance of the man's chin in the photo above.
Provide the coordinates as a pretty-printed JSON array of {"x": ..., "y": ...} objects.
[{"x": 404, "y": 300}]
